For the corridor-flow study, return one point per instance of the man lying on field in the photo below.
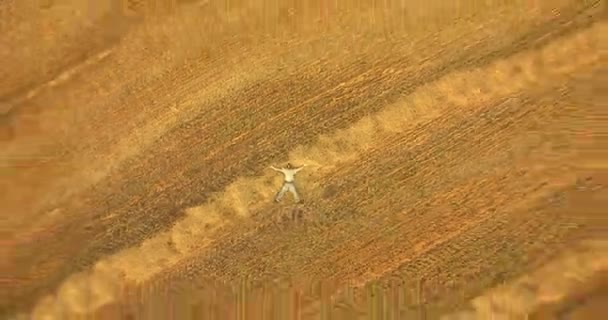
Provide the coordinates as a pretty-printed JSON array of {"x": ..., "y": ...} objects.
[{"x": 289, "y": 173}]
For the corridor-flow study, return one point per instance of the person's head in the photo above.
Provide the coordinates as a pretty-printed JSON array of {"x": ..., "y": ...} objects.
[{"x": 289, "y": 166}]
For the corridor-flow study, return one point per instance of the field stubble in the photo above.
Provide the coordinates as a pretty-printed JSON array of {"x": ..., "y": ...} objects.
[{"x": 391, "y": 146}]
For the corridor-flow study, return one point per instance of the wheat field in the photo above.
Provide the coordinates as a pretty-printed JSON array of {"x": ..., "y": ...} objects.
[{"x": 456, "y": 159}]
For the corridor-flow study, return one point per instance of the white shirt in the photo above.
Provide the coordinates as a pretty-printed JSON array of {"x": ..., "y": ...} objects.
[{"x": 289, "y": 173}]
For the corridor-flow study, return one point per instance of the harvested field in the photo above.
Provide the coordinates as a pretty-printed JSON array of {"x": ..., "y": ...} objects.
[{"x": 453, "y": 149}]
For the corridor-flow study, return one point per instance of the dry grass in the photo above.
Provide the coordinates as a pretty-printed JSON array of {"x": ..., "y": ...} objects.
[{"x": 439, "y": 128}]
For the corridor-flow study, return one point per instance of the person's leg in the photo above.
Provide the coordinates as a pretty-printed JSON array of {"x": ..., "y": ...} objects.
[
  {"x": 281, "y": 193},
  {"x": 294, "y": 191}
]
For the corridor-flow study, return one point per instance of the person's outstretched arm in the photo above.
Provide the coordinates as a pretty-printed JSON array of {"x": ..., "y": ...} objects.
[
  {"x": 300, "y": 168},
  {"x": 275, "y": 169}
]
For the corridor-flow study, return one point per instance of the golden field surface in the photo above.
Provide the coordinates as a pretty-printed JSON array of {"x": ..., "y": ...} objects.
[{"x": 456, "y": 158}]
